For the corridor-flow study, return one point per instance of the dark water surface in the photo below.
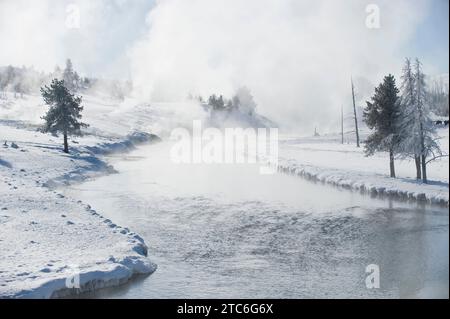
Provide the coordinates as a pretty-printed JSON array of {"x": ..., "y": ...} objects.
[{"x": 225, "y": 231}]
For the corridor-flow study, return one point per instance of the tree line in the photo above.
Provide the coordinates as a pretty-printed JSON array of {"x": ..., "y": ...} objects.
[
  {"x": 24, "y": 80},
  {"x": 242, "y": 101},
  {"x": 400, "y": 120}
]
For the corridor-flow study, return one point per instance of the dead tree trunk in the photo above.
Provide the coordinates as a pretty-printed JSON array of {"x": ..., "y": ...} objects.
[{"x": 355, "y": 115}]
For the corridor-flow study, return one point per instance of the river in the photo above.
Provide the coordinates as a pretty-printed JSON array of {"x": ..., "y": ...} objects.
[{"x": 226, "y": 231}]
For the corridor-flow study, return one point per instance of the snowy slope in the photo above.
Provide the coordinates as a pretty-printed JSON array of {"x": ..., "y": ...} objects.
[{"x": 45, "y": 237}]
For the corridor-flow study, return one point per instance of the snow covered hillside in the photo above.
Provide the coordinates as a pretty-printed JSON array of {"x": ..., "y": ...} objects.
[{"x": 45, "y": 237}]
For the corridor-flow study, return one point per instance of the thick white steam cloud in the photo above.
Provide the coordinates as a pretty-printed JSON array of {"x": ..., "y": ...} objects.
[
  {"x": 95, "y": 34},
  {"x": 297, "y": 57}
]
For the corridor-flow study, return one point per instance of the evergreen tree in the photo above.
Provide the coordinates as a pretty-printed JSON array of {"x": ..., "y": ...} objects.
[
  {"x": 220, "y": 103},
  {"x": 246, "y": 103},
  {"x": 409, "y": 130},
  {"x": 439, "y": 97},
  {"x": 64, "y": 114},
  {"x": 70, "y": 77},
  {"x": 423, "y": 122},
  {"x": 3, "y": 82},
  {"x": 382, "y": 115},
  {"x": 212, "y": 101},
  {"x": 216, "y": 103},
  {"x": 10, "y": 76},
  {"x": 229, "y": 105},
  {"x": 236, "y": 102}
]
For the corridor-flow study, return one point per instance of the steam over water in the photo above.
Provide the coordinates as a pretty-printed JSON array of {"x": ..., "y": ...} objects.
[{"x": 225, "y": 231}]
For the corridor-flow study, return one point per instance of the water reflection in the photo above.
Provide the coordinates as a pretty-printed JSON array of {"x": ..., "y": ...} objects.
[{"x": 226, "y": 231}]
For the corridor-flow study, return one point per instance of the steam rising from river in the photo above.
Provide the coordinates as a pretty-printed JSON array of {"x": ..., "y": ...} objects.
[{"x": 297, "y": 57}]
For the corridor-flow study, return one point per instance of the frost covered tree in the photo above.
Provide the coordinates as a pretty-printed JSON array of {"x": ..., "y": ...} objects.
[
  {"x": 20, "y": 84},
  {"x": 439, "y": 97},
  {"x": 382, "y": 115},
  {"x": 418, "y": 130},
  {"x": 216, "y": 103},
  {"x": 57, "y": 73},
  {"x": 426, "y": 127},
  {"x": 408, "y": 129},
  {"x": 244, "y": 100},
  {"x": 64, "y": 114},
  {"x": 70, "y": 77}
]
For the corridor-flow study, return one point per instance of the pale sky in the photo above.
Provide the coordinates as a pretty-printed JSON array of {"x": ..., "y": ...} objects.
[
  {"x": 431, "y": 39},
  {"x": 116, "y": 25}
]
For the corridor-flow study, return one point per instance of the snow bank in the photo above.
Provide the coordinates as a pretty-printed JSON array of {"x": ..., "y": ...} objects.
[
  {"x": 124, "y": 145},
  {"x": 327, "y": 161},
  {"x": 46, "y": 239},
  {"x": 49, "y": 243},
  {"x": 96, "y": 166},
  {"x": 375, "y": 185}
]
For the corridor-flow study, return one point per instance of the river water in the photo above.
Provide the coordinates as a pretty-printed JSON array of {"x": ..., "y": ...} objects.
[{"x": 226, "y": 231}]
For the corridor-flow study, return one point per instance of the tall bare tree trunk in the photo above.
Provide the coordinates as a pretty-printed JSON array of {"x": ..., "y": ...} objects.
[
  {"x": 355, "y": 115},
  {"x": 66, "y": 144},
  {"x": 418, "y": 168},
  {"x": 391, "y": 163}
]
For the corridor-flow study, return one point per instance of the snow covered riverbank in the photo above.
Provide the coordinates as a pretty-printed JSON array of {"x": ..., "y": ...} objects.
[
  {"x": 51, "y": 245},
  {"x": 46, "y": 237},
  {"x": 325, "y": 160}
]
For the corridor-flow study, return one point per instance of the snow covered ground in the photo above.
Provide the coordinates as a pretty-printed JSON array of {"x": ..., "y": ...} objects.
[
  {"x": 326, "y": 160},
  {"x": 46, "y": 238}
]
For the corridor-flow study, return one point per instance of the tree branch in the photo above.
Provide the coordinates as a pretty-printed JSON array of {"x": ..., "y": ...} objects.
[{"x": 435, "y": 158}]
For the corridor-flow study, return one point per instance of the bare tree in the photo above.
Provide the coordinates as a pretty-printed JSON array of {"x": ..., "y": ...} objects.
[{"x": 355, "y": 115}]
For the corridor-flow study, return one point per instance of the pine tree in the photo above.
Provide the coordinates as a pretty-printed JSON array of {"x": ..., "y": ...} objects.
[
  {"x": 382, "y": 116},
  {"x": 57, "y": 73},
  {"x": 220, "y": 103},
  {"x": 64, "y": 114},
  {"x": 10, "y": 76},
  {"x": 409, "y": 130},
  {"x": 216, "y": 103},
  {"x": 212, "y": 101},
  {"x": 427, "y": 131},
  {"x": 236, "y": 102},
  {"x": 245, "y": 101},
  {"x": 70, "y": 77},
  {"x": 417, "y": 129}
]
